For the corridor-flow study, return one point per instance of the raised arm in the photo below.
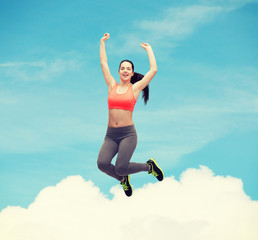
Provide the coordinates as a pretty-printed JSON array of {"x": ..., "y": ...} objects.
[
  {"x": 139, "y": 86},
  {"x": 110, "y": 81}
]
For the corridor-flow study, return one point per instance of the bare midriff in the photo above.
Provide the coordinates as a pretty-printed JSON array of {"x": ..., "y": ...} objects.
[{"x": 119, "y": 118}]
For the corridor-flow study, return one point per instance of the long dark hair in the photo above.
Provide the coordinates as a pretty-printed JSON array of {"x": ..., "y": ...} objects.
[{"x": 137, "y": 77}]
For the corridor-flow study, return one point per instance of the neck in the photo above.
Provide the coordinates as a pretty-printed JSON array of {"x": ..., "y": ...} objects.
[{"x": 124, "y": 83}]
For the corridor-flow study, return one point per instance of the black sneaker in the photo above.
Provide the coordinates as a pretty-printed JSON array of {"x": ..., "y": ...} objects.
[
  {"x": 127, "y": 186},
  {"x": 155, "y": 170}
]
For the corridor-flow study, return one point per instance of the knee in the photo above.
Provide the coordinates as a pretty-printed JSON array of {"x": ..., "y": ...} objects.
[
  {"x": 102, "y": 166},
  {"x": 121, "y": 170}
]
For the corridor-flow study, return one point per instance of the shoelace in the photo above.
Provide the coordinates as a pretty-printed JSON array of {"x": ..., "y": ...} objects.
[
  {"x": 125, "y": 187},
  {"x": 153, "y": 172}
]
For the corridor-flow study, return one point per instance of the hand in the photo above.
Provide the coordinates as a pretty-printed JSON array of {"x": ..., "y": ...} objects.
[
  {"x": 145, "y": 46},
  {"x": 105, "y": 37}
]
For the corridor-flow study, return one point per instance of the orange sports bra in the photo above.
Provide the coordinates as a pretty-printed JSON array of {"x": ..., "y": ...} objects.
[{"x": 125, "y": 101}]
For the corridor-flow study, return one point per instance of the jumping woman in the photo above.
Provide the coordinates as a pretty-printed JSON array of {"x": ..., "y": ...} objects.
[{"x": 121, "y": 136}]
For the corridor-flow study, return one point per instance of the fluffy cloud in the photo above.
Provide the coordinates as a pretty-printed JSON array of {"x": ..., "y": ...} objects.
[{"x": 199, "y": 206}]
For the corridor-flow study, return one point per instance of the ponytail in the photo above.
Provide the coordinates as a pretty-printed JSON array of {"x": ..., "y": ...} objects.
[
  {"x": 145, "y": 92},
  {"x": 137, "y": 77}
]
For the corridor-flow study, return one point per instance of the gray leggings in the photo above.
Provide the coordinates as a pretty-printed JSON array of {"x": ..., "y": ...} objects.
[{"x": 121, "y": 141}]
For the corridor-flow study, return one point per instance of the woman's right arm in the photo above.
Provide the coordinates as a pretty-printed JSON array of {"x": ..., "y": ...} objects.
[{"x": 104, "y": 63}]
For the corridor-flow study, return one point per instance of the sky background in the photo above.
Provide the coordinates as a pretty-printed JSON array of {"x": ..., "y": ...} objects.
[{"x": 203, "y": 107}]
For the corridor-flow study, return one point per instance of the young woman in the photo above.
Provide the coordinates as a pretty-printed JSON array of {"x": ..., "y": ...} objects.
[{"x": 121, "y": 137}]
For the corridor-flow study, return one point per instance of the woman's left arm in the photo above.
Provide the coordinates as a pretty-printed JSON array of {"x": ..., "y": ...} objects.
[{"x": 140, "y": 85}]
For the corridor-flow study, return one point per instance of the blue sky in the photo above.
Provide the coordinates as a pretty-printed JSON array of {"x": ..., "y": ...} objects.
[{"x": 203, "y": 107}]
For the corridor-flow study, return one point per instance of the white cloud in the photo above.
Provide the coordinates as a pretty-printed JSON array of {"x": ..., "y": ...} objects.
[
  {"x": 229, "y": 4},
  {"x": 43, "y": 120},
  {"x": 199, "y": 206},
  {"x": 48, "y": 134},
  {"x": 21, "y": 64},
  {"x": 179, "y": 22},
  {"x": 187, "y": 128},
  {"x": 227, "y": 102},
  {"x": 175, "y": 24},
  {"x": 39, "y": 70},
  {"x": 47, "y": 120}
]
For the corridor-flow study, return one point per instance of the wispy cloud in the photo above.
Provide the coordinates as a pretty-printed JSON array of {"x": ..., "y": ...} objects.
[
  {"x": 179, "y": 128},
  {"x": 46, "y": 120},
  {"x": 22, "y": 64},
  {"x": 227, "y": 4},
  {"x": 175, "y": 24},
  {"x": 43, "y": 70},
  {"x": 199, "y": 206},
  {"x": 178, "y": 23}
]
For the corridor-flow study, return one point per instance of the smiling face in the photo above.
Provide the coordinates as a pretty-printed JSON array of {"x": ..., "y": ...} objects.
[{"x": 126, "y": 71}]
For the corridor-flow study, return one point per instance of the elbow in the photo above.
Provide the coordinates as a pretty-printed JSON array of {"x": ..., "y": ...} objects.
[
  {"x": 154, "y": 70},
  {"x": 103, "y": 62}
]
